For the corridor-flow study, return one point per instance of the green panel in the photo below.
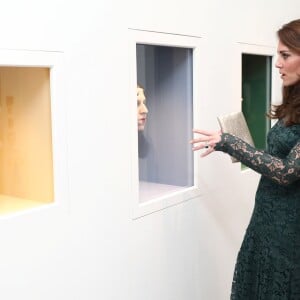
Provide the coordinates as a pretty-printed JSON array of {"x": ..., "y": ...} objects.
[{"x": 256, "y": 93}]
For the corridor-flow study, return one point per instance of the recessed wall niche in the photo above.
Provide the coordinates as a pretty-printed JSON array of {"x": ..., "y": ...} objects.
[
  {"x": 256, "y": 95},
  {"x": 26, "y": 168},
  {"x": 165, "y": 73}
]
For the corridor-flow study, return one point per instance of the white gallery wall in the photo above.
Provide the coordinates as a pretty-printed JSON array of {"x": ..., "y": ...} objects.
[{"x": 87, "y": 244}]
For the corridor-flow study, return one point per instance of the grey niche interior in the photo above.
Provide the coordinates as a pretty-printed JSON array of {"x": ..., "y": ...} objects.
[{"x": 166, "y": 74}]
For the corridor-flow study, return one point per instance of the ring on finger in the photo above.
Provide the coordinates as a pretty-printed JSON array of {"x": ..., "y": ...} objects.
[{"x": 206, "y": 144}]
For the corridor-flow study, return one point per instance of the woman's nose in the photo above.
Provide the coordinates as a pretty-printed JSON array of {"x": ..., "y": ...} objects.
[
  {"x": 143, "y": 109},
  {"x": 278, "y": 63}
]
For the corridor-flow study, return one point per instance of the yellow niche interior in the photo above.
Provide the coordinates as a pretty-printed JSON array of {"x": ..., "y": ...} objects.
[{"x": 26, "y": 166}]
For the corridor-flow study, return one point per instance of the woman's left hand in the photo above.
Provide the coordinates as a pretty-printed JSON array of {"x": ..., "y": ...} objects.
[{"x": 208, "y": 140}]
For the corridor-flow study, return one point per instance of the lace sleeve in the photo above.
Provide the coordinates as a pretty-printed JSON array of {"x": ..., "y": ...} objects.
[{"x": 283, "y": 171}]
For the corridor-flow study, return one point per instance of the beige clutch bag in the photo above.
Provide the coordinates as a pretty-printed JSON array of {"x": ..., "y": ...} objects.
[{"x": 235, "y": 124}]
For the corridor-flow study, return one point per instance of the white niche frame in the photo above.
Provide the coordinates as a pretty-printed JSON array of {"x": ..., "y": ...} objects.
[
  {"x": 54, "y": 61},
  {"x": 140, "y": 209}
]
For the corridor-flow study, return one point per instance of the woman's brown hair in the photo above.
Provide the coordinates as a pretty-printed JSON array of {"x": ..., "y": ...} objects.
[{"x": 289, "y": 110}]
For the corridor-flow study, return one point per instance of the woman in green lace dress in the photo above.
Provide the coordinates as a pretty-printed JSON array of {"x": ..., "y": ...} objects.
[{"x": 268, "y": 263}]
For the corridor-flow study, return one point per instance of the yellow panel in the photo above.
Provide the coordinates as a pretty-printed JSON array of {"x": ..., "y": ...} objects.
[
  {"x": 26, "y": 168},
  {"x": 13, "y": 204}
]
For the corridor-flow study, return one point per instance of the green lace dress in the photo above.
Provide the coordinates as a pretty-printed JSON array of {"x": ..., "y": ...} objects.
[{"x": 268, "y": 263}]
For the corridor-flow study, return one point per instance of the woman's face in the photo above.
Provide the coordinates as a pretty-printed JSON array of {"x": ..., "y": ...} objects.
[
  {"x": 288, "y": 63},
  {"x": 142, "y": 110}
]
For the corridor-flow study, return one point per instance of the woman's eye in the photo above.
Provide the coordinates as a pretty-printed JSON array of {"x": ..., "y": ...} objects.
[{"x": 285, "y": 55}]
